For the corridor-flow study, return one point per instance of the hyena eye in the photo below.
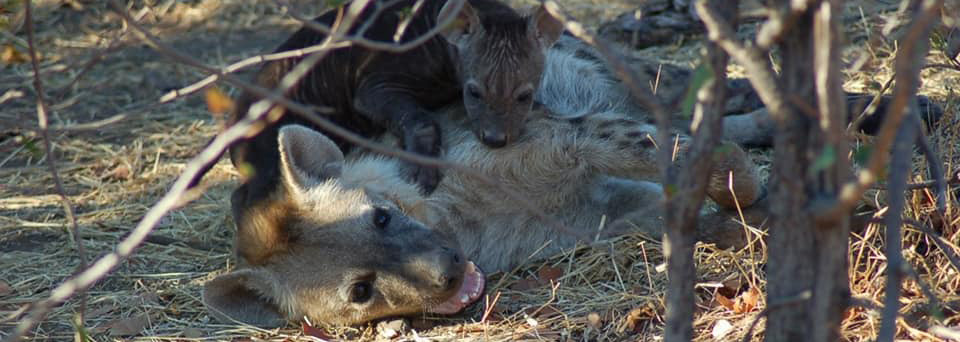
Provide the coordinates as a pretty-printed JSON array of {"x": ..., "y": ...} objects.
[
  {"x": 381, "y": 217},
  {"x": 361, "y": 292},
  {"x": 525, "y": 97}
]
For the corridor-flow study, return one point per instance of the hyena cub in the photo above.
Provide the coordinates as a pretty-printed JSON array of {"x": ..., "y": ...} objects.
[
  {"x": 350, "y": 239},
  {"x": 490, "y": 59}
]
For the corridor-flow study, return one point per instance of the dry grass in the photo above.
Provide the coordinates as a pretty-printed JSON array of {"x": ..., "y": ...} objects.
[{"x": 613, "y": 291}]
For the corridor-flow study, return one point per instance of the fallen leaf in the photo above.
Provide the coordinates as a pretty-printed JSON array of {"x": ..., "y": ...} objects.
[
  {"x": 310, "y": 330},
  {"x": 121, "y": 172},
  {"x": 635, "y": 317},
  {"x": 218, "y": 103},
  {"x": 5, "y": 288},
  {"x": 525, "y": 284},
  {"x": 748, "y": 300},
  {"x": 593, "y": 319},
  {"x": 745, "y": 302},
  {"x": 128, "y": 326},
  {"x": 723, "y": 301},
  {"x": 721, "y": 328},
  {"x": 193, "y": 333},
  {"x": 549, "y": 273},
  {"x": 10, "y": 55},
  {"x": 532, "y": 322}
]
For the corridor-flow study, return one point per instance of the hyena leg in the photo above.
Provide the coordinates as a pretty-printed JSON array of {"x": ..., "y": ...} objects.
[
  {"x": 623, "y": 147},
  {"x": 409, "y": 122},
  {"x": 636, "y": 206}
]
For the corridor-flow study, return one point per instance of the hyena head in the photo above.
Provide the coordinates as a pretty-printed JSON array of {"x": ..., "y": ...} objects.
[
  {"x": 334, "y": 252},
  {"x": 501, "y": 60}
]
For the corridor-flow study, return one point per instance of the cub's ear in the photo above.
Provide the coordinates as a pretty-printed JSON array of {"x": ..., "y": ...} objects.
[
  {"x": 245, "y": 296},
  {"x": 307, "y": 158},
  {"x": 544, "y": 26},
  {"x": 465, "y": 23}
]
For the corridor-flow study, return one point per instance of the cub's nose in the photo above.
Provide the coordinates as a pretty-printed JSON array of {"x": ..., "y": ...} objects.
[{"x": 493, "y": 139}]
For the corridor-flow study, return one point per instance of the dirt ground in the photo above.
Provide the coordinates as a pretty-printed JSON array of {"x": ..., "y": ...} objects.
[{"x": 119, "y": 149}]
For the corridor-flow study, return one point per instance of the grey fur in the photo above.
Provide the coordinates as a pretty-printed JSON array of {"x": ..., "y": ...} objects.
[{"x": 301, "y": 252}]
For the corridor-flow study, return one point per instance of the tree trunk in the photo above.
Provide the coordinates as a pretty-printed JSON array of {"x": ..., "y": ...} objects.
[
  {"x": 807, "y": 286},
  {"x": 683, "y": 205}
]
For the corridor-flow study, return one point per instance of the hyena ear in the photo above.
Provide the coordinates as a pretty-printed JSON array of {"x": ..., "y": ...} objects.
[
  {"x": 307, "y": 157},
  {"x": 464, "y": 24},
  {"x": 544, "y": 26},
  {"x": 242, "y": 295}
]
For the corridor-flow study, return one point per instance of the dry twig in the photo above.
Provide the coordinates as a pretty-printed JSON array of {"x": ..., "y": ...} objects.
[{"x": 42, "y": 111}]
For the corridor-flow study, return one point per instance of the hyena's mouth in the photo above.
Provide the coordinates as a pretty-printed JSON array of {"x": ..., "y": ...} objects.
[{"x": 469, "y": 292}]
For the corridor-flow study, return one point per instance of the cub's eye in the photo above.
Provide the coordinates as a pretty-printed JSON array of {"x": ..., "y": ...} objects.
[
  {"x": 381, "y": 217},
  {"x": 473, "y": 91},
  {"x": 525, "y": 97},
  {"x": 361, "y": 292}
]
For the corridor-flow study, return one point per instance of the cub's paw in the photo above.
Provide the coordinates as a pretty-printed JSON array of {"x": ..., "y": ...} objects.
[
  {"x": 733, "y": 166},
  {"x": 423, "y": 140}
]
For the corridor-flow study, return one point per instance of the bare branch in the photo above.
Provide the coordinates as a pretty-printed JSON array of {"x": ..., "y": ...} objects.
[
  {"x": 772, "y": 306},
  {"x": 753, "y": 59},
  {"x": 910, "y": 58},
  {"x": 681, "y": 212},
  {"x": 251, "y": 122},
  {"x": 935, "y": 167},
  {"x": 949, "y": 249},
  {"x": 42, "y": 111},
  {"x": 899, "y": 167},
  {"x": 343, "y": 41}
]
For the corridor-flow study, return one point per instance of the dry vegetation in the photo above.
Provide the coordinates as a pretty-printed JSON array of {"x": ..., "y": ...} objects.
[{"x": 113, "y": 173}]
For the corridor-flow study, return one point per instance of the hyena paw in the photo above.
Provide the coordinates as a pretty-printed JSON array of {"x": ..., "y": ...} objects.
[
  {"x": 729, "y": 160},
  {"x": 423, "y": 140}
]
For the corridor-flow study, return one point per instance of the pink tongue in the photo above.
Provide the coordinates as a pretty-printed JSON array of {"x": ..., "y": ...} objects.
[{"x": 469, "y": 292}]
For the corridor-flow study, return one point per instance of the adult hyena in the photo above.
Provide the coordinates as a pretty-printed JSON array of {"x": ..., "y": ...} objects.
[
  {"x": 490, "y": 58},
  {"x": 350, "y": 239}
]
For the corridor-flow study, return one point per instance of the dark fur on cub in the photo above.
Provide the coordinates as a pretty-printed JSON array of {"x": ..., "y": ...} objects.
[{"x": 492, "y": 49}]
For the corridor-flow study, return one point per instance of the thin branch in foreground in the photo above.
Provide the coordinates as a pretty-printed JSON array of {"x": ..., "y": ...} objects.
[
  {"x": 935, "y": 168},
  {"x": 343, "y": 41},
  {"x": 910, "y": 58},
  {"x": 681, "y": 212},
  {"x": 42, "y": 111},
  {"x": 275, "y": 97},
  {"x": 169, "y": 201},
  {"x": 898, "y": 170},
  {"x": 803, "y": 296},
  {"x": 949, "y": 249},
  {"x": 196, "y": 166}
]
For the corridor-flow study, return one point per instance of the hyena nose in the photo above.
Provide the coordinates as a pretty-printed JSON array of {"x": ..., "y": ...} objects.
[
  {"x": 494, "y": 139},
  {"x": 449, "y": 279}
]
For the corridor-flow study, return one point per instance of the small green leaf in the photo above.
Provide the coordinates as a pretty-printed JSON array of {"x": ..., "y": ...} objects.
[
  {"x": 405, "y": 12},
  {"x": 722, "y": 150},
  {"x": 702, "y": 74},
  {"x": 670, "y": 189},
  {"x": 30, "y": 145},
  {"x": 246, "y": 170},
  {"x": 861, "y": 154},
  {"x": 336, "y": 3},
  {"x": 81, "y": 332},
  {"x": 826, "y": 159}
]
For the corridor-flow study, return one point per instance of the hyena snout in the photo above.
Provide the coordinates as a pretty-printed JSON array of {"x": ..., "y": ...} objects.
[
  {"x": 449, "y": 275},
  {"x": 494, "y": 138},
  {"x": 441, "y": 271}
]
